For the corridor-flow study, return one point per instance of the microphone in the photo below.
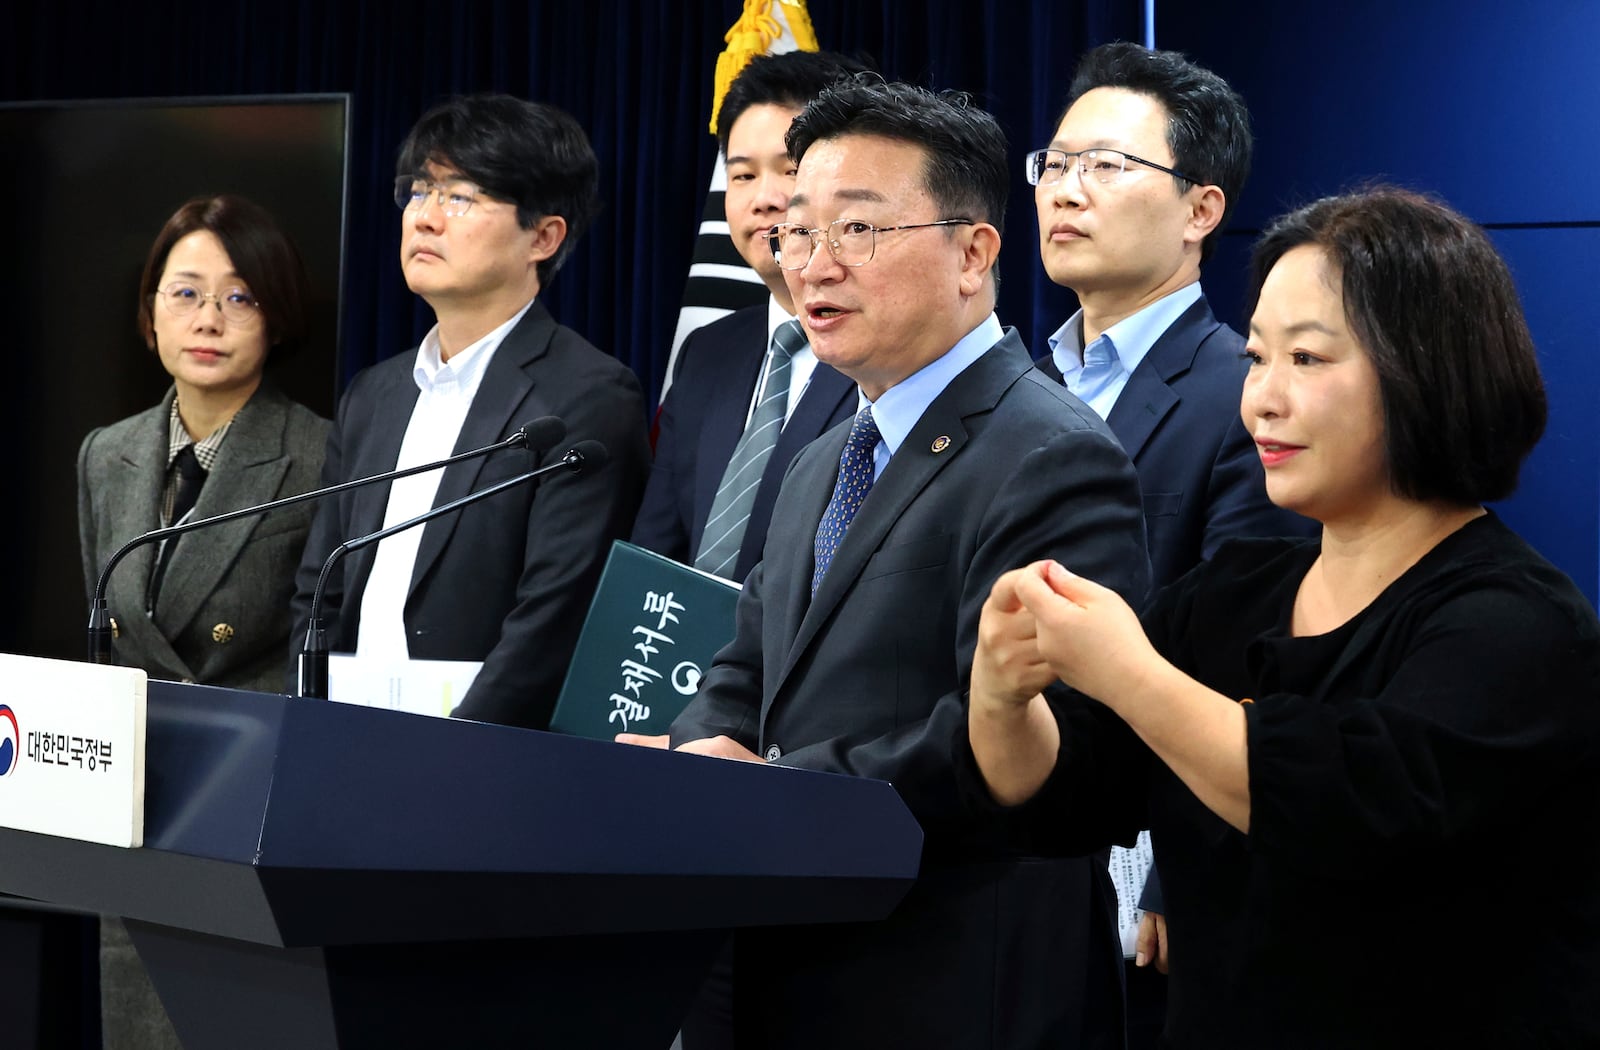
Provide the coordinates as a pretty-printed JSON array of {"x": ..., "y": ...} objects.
[
  {"x": 587, "y": 456},
  {"x": 536, "y": 433},
  {"x": 584, "y": 457}
]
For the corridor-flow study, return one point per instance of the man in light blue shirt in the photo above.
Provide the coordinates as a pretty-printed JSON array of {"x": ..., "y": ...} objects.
[
  {"x": 1138, "y": 180},
  {"x": 1143, "y": 170}
]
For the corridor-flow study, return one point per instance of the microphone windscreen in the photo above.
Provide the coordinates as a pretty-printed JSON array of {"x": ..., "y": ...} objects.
[
  {"x": 594, "y": 455},
  {"x": 543, "y": 432}
]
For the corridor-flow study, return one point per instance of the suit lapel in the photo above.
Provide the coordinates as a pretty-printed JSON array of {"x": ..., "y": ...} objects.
[
  {"x": 383, "y": 431},
  {"x": 1148, "y": 397},
  {"x": 830, "y": 398},
  {"x": 976, "y": 390},
  {"x": 507, "y": 379},
  {"x": 812, "y": 489},
  {"x": 249, "y": 470},
  {"x": 725, "y": 416},
  {"x": 133, "y": 499},
  {"x": 1140, "y": 408}
]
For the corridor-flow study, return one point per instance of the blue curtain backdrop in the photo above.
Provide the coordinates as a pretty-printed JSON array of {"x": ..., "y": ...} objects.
[{"x": 636, "y": 75}]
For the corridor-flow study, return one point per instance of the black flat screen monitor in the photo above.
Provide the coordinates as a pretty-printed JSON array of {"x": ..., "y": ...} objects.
[{"x": 88, "y": 186}]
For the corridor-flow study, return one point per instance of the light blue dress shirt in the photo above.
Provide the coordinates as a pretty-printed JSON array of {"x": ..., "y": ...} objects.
[
  {"x": 1099, "y": 372},
  {"x": 898, "y": 410}
]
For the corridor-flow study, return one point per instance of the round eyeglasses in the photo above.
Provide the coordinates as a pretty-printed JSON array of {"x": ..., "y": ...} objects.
[
  {"x": 455, "y": 196},
  {"x": 236, "y": 305},
  {"x": 851, "y": 241},
  {"x": 1046, "y": 167}
]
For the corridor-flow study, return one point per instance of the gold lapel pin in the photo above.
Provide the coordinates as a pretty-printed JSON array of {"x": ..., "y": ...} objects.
[
  {"x": 940, "y": 443},
  {"x": 222, "y": 633}
]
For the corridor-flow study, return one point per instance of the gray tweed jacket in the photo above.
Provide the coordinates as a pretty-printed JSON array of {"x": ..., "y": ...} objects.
[{"x": 223, "y": 613}]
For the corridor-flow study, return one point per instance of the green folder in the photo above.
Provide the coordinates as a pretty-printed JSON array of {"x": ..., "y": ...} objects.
[{"x": 650, "y": 634}]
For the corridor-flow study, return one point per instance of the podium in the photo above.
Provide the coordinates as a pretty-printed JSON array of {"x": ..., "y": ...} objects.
[{"x": 318, "y": 875}]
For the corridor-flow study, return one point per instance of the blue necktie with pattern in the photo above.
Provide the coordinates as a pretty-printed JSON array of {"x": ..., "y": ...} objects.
[{"x": 855, "y": 479}]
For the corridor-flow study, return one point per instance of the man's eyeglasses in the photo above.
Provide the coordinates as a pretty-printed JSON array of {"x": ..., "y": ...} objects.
[
  {"x": 851, "y": 241},
  {"x": 1046, "y": 167},
  {"x": 455, "y": 196},
  {"x": 237, "y": 305}
]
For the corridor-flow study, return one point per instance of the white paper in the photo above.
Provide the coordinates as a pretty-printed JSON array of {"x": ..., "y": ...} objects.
[
  {"x": 420, "y": 687},
  {"x": 1129, "y": 869}
]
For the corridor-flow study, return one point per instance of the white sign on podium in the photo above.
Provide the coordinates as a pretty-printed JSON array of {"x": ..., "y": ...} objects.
[{"x": 72, "y": 749}]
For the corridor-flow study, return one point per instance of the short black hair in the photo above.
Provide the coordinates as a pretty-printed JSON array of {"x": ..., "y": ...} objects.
[
  {"x": 529, "y": 153},
  {"x": 1208, "y": 126},
  {"x": 1435, "y": 308},
  {"x": 261, "y": 253},
  {"x": 965, "y": 166},
  {"x": 790, "y": 80}
]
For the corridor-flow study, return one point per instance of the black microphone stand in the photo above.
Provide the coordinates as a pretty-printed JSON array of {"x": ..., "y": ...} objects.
[
  {"x": 313, "y": 682},
  {"x": 99, "y": 630}
]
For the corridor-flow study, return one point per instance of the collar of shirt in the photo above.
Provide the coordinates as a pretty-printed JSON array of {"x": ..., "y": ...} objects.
[
  {"x": 898, "y": 410},
  {"x": 466, "y": 366},
  {"x": 206, "y": 449},
  {"x": 802, "y": 363},
  {"x": 1130, "y": 338}
]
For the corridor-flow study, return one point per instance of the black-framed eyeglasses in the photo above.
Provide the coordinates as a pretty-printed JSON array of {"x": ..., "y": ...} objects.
[
  {"x": 851, "y": 241},
  {"x": 454, "y": 196},
  {"x": 236, "y": 305},
  {"x": 1046, "y": 167}
]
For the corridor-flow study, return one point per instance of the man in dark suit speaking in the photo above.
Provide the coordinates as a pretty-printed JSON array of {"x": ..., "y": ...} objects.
[
  {"x": 493, "y": 193},
  {"x": 748, "y": 392},
  {"x": 855, "y": 633}
]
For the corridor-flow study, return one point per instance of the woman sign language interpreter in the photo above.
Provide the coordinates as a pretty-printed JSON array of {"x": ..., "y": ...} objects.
[{"x": 1355, "y": 753}]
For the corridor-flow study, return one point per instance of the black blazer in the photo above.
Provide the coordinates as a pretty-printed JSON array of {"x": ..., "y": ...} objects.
[
  {"x": 222, "y": 617},
  {"x": 990, "y": 949},
  {"x": 701, "y": 420},
  {"x": 1199, "y": 474},
  {"x": 508, "y": 581}
]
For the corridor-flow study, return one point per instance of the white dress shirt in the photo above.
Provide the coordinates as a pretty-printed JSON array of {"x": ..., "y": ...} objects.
[{"x": 446, "y": 390}]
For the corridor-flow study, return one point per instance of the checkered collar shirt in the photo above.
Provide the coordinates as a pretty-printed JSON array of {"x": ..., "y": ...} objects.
[{"x": 206, "y": 451}]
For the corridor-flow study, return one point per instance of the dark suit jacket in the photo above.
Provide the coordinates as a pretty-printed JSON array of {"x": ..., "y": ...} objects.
[
  {"x": 1199, "y": 473},
  {"x": 700, "y": 423},
  {"x": 222, "y": 617},
  {"x": 508, "y": 581},
  {"x": 869, "y": 678}
]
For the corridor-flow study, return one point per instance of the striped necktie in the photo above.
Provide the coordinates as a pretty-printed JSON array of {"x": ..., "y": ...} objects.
[
  {"x": 741, "y": 480},
  {"x": 855, "y": 480}
]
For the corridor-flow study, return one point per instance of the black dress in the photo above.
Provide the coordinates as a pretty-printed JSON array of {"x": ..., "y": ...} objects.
[{"x": 1423, "y": 861}]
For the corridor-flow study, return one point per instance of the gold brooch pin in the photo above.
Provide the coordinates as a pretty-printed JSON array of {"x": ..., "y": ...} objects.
[{"x": 941, "y": 443}]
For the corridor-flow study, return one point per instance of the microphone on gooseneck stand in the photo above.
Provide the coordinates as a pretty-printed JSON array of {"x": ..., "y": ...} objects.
[
  {"x": 538, "y": 433},
  {"x": 583, "y": 458}
]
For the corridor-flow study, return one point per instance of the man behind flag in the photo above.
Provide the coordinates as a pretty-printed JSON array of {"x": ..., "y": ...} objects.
[
  {"x": 720, "y": 280},
  {"x": 747, "y": 393}
]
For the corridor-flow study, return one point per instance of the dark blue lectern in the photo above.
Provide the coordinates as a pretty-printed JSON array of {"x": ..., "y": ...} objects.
[{"x": 320, "y": 875}]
